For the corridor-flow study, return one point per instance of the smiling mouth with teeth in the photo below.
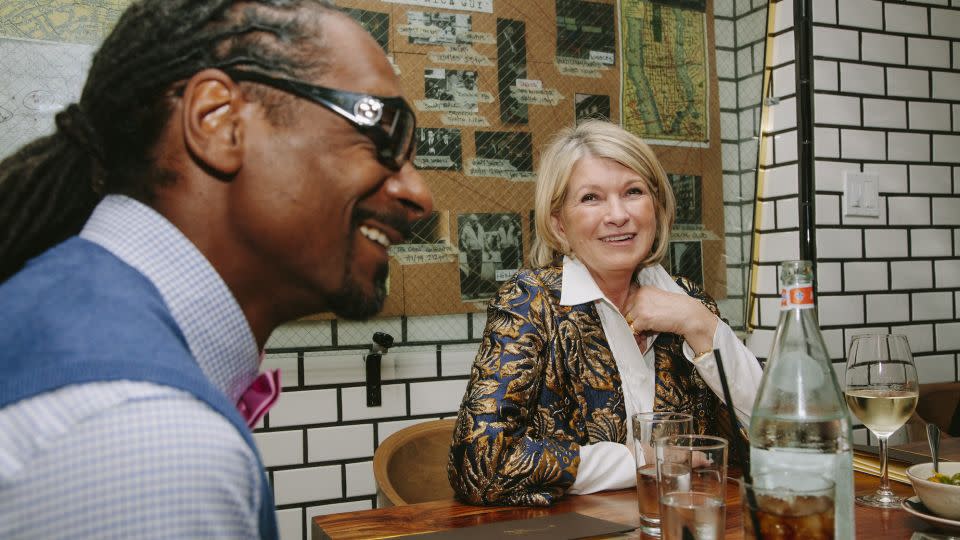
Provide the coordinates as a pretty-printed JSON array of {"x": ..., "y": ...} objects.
[
  {"x": 376, "y": 235},
  {"x": 618, "y": 238}
]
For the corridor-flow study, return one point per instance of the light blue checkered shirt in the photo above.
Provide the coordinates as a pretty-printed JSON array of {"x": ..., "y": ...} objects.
[{"x": 132, "y": 459}]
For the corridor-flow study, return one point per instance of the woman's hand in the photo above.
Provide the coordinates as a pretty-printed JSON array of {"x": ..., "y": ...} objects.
[{"x": 650, "y": 309}]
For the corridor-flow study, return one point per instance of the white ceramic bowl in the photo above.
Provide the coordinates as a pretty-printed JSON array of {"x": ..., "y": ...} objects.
[{"x": 942, "y": 499}]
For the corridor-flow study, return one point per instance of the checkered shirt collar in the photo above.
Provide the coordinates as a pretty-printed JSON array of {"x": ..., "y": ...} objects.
[{"x": 210, "y": 318}]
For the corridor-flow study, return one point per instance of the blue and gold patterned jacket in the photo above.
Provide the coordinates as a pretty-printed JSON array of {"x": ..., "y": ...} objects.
[{"x": 545, "y": 382}]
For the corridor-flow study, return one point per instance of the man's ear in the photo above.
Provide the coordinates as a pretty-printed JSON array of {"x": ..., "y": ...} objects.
[{"x": 213, "y": 128}]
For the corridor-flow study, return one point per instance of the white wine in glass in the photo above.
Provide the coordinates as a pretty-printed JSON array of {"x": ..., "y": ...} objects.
[{"x": 881, "y": 389}]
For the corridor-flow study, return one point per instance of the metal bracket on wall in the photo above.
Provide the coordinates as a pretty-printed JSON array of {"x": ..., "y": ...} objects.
[{"x": 381, "y": 342}]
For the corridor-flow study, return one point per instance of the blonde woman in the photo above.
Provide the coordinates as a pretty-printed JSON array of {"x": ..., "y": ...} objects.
[{"x": 595, "y": 332}]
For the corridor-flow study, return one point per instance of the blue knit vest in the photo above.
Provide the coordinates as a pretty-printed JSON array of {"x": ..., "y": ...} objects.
[{"x": 78, "y": 314}]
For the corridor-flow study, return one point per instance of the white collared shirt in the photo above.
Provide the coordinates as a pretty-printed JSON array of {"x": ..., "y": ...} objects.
[{"x": 609, "y": 465}]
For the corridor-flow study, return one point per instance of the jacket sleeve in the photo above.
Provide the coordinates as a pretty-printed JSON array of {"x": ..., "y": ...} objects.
[
  {"x": 741, "y": 367},
  {"x": 496, "y": 456}
]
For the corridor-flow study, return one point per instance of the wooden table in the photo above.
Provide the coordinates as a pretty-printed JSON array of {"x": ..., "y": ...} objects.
[{"x": 619, "y": 506}]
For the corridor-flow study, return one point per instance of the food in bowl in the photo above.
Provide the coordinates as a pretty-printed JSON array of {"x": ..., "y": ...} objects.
[
  {"x": 943, "y": 499},
  {"x": 944, "y": 479}
]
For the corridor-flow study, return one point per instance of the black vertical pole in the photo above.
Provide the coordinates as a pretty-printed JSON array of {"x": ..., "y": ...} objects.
[{"x": 803, "y": 47}]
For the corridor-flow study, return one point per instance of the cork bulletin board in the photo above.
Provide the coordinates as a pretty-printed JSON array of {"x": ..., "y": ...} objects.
[{"x": 492, "y": 80}]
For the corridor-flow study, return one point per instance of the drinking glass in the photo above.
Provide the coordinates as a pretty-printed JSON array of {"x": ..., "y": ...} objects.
[
  {"x": 802, "y": 511},
  {"x": 647, "y": 428},
  {"x": 881, "y": 390},
  {"x": 692, "y": 478}
]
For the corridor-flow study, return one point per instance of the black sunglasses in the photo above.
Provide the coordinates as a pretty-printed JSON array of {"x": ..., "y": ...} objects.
[{"x": 388, "y": 121}]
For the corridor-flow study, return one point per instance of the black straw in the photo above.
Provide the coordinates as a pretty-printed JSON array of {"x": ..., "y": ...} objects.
[{"x": 738, "y": 447}]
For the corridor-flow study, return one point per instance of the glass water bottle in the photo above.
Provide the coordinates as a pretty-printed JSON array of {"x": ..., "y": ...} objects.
[{"x": 800, "y": 425}]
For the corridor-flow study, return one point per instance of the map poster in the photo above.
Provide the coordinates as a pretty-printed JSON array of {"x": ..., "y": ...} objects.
[
  {"x": 587, "y": 106},
  {"x": 375, "y": 22},
  {"x": 39, "y": 80},
  {"x": 686, "y": 190},
  {"x": 585, "y": 30},
  {"x": 438, "y": 149},
  {"x": 511, "y": 65},
  {"x": 686, "y": 259},
  {"x": 665, "y": 71}
]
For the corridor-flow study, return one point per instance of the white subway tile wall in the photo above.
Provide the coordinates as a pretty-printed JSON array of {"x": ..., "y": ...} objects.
[
  {"x": 883, "y": 48},
  {"x": 900, "y": 271},
  {"x": 304, "y": 407},
  {"x": 908, "y": 82},
  {"x": 340, "y": 442},
  {"x": 885, "y": 243},
  {"x": 936, "y": 368},
  {"x": 280, "y": 447},
  {"x": 360, "y": 479},
  {"x": 863, "y": 13},
  {"x": 307, "y": 484},
  {"x": 910, "y": 275},
  {"x": 288, "y": 366},
  {"x": 901, "y": 18},
  {"x": 887, "y": 113},
  {"x": 290, "y": 523},
  {"x": 865, "y": 276},
  {"x": 920, "y": 336}
]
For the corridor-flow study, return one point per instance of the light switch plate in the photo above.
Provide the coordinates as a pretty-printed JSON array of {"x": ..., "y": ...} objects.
[{"x": 861, "y": 194}]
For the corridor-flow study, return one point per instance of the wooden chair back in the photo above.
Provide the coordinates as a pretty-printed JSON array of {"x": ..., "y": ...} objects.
[
  {"x": 410, "y": 466},
  {"x": 938, "y": 403}
]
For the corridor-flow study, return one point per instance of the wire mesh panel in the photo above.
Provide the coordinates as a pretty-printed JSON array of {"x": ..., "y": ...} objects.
[{"x": 493, "y": 80}]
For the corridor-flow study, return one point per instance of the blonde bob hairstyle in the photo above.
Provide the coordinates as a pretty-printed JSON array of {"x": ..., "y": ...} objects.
[{"x": 598, "y": 139}]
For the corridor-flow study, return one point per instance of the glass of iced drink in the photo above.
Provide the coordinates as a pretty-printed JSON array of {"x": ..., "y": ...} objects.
[
  {"x": 692, "y": 481},
  {"x": 647, "y": 428},
  {"x": 787, "y": 508}
]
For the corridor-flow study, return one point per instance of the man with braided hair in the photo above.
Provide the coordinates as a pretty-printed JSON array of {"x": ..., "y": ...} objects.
[{"x": 230, "y": 166}]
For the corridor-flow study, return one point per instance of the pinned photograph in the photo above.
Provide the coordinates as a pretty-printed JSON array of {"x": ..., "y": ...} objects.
[
  {"x": 686, "y": 259},
  {"x": 511, "y": 65},
  {"x": 452, "y": 85},
  {"x": 428, "y": 28},
  {"x": 490, "y": 252},
  {"x": 686, "y": 190},
  {"x": 591, "y": 106},
  {"x": 375, "y": 22},
  {"x": 438, "y": 149},
  {"x": 514, "y": 148},
  {"x": 586, "y": 31}
]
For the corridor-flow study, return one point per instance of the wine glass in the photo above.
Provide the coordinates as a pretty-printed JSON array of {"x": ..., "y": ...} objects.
[{"x": 881, "y": 389}]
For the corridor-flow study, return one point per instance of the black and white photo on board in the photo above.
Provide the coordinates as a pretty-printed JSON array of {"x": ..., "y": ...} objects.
[
  {"x": 591, "y": 106},
  {"x": 438, "y": 149},
  {"x": 511, "y": 65},
  {"x": 455, "y": 85},
  {"x": 586, "y": 30},
  {"x": 439, "y": 28},
  {"x": 686, "y": 260},
  {"x": 375, "y": 22},
  {"x": 516, "y": 147},
  {"x": 491, "y": 250}
]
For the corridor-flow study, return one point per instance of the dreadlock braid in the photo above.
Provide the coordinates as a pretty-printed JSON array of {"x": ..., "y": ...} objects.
[{"x": 104, "y": 144}]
